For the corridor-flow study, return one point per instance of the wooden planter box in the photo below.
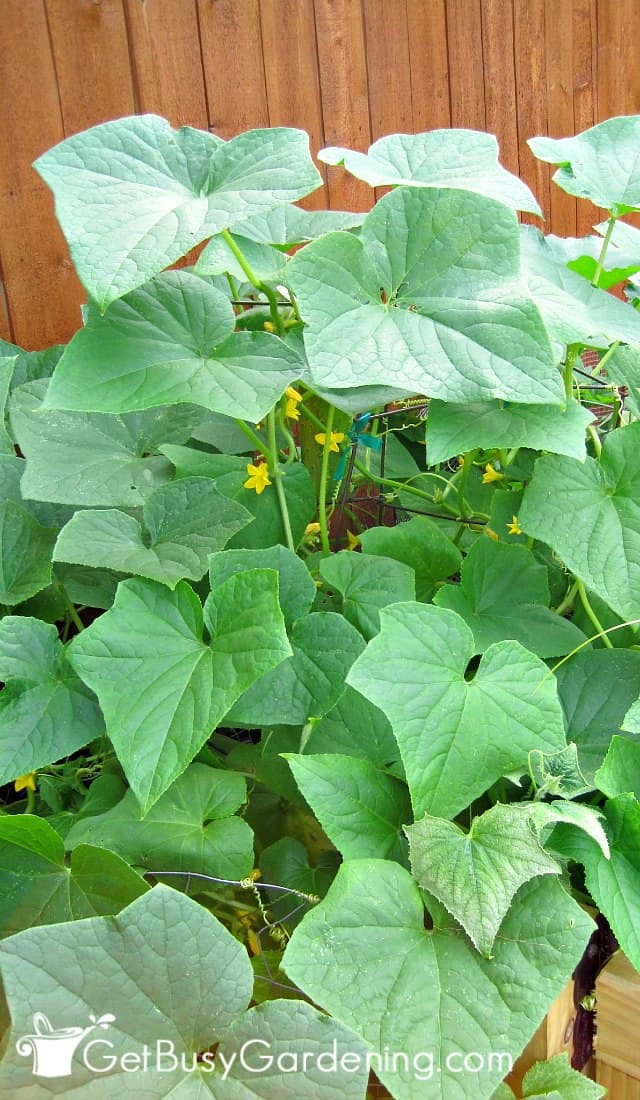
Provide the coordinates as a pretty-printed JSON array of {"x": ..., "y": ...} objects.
[{"x": 616, "y": 1064}]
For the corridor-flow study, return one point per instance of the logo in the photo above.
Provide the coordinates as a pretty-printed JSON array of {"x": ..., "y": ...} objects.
[{"x": 53, "y": 1048}]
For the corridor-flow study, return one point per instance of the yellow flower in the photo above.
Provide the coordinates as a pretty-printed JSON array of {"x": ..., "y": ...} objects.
[
  {"x": 25, "y": 781},
  {"x": 258, "y": 477},
  {"x": 268, "y": 326},
  {"x": 491, "y": 474},
  {"x": 294, "y": 398},
  {"x": 352, "y": 540},
  {"x": 335, "y": 439},
  {"x": 311, "y": 529},
  {"x": 514, "y": 527}
]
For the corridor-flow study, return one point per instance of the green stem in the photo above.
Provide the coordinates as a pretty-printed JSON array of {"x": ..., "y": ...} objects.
[
  {"x": 277, "y": 478},
  {"x": 73, "y": 614},
  {"x": 264, "y": 288},
  {"x": 600, "y": 365},
  {"x": 233, "y": 286},
  {"x": 591, "y": 615},
  {"x": 311, "y": 416},
  {"x": 466, "y": 466},
  {"x": 30, "y": 807},
  {"x": 603, "y": 251},
  {"x": 567, "y": 373},
  {"x": 595, "y": 439},
  {"x": 258, "y": 445},
  {"x": 322, "y": 492},
  {"x": 567, "y": 602}
]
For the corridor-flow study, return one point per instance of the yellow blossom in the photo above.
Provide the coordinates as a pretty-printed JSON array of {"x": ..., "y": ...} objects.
[
  {"x": 292, "y": 412},
  {"x": 311, "y": 529},
  {"x": 25, "y": 782},
  {"x": 352, "y": 540},
  {"x": 514, "y": 527},
  {"x": 335, "y": 439},
  {"x": 258, "y": 477},
  {"x": 491, "y": 474},
  {"x": 268, "y": 326}
]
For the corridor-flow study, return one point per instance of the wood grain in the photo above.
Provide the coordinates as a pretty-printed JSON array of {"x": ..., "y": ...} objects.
[
  {"x": 234, "y": 105},
  {"x": 166, "y": 58}
]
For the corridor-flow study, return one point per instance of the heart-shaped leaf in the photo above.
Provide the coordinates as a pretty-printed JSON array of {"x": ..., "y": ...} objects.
[
  {"x": 92, "y": 459},
  {"x": 25, "y": 554},
  {"x": 573, "y": 310},
  {"x": 184, "y": 522},
  {"x": 373, "y": 806},
  {"x": 296, "y": 586},
  {"x": 307, "y": 685},
  {"x": 465, "y": 159},
  {"x": 596, "y": 690},
  {"x": 620, "y": 771},
  {"x": 600, "y": 164},
  {"x": 589, "y": 514},
  {"x": 428, "y": 993},
  {"x": 504, "y": 593},
  {"x": 414, "y": 303},
  {"x": 176, "y": 984},
  {"x": 38, "y": 888},
  {"x": 367, "y": 584},
  {"x": 421, "y": 545},
  {"x": 456, "y": 737},
  {"x": 190, "y": 828},
  {"x": 354, "y": 727},
  {"x": 161, "y": 687},
  {"x": 477, "y": 874},
  {"x": 172, "y": 341},
  {"x": 47, "y": 713},
  {"x": 133, "y": 195},
  {"x": 454, "y": 429}
]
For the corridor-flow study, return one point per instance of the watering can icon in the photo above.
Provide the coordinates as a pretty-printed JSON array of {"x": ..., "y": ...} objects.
[{"x": 53, "y": 1048}]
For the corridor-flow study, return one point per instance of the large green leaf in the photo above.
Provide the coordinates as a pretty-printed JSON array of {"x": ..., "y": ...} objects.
[
  {"x": 600, "y": 164},
  {"x": 612, "y": 883},
  {"x": 93, "y": 459},
  {"x": 596, "y": 689},
  {"x": 190, "y": 828},
  {"x": 133, "y": 195},
  {"x": 170, "y": 342},
  {"x": 466, "y": 159},
  {"x": 573, "y": 310},
  {"x": 176, "y": 984},
  {"x": 184, "y": 521},
  {"x": 456, "y": 737},
  {"x": 161, "y": 687},
  {"x": 557, "y": 1080},
  {"x": 619, "y": 773},
  {"x": 367, "y": 584},
  {"x": 36, "y": 887},
  {"x": 216, "y": 258},
  {"x": 427, "y": 299},
  {"x": 454, "y": 429},
  {"x": 404, "y": 988},
  {"x": 589, "y": 514},
  {"x": 477, "y": 874},
  {"x": 46, "y": 711},
  {"x": 297, "y": 589},
  {"x": 288, "y": 225},
  {"x": 504, "y": 593},
  {"x": 354, "y": 727},
  {"x": 361, "y": 809},
  {"x": 25, "y": 554},
  {"x": 307, "y": 685},
  {"x": 420, "y": 544},
  {"x": 6, "y": 374}
]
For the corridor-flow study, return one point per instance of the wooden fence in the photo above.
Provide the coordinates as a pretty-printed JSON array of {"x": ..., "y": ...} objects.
[{"x": 348, "y": 71}]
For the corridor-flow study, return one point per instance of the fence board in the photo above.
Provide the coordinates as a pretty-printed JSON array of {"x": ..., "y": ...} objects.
[
  {"x": 292, "y": 76},
  {"x": 466, "y": 66},
  {"x": 348, "y": 71},
  {"x": 43, "y": 294},
  {"x": 500, "y": 78},
  {"x": 92, "y": 63},
  {"x": 234, "y": 104},
  {"x": 429, "y": 64},
  {"x": 166, "y": 60},
  {"x": 345, "y": 96}
]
